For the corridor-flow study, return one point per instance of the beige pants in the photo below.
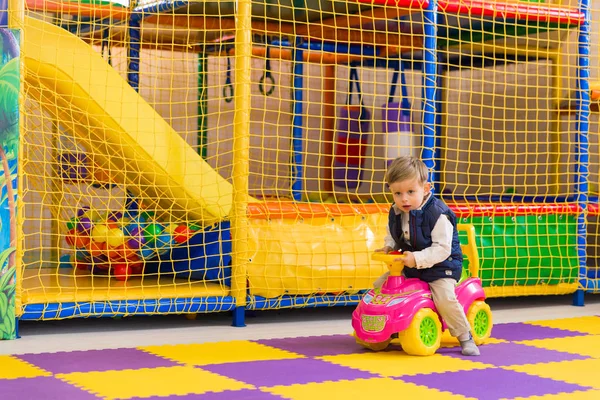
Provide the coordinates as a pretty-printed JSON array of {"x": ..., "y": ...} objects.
[{"x": 446, "y": 303}]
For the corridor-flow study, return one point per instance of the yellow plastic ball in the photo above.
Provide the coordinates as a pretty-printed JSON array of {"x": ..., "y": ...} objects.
[
  {"x": 115, "y": 237},
  {"x": 170, "y": 229},
  {"x": 93, "y": 215},
  {"x": 100, "y": 233}
]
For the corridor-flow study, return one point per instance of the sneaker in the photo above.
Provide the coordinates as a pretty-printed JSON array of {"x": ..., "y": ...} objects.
[{"x": 469, "y": 348}]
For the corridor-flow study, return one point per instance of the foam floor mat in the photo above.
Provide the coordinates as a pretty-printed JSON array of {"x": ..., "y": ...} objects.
[{"x": 554, "y": 359}]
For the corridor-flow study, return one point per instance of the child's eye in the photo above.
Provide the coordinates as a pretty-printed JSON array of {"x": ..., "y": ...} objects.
[{"x": 411, "y": 191}]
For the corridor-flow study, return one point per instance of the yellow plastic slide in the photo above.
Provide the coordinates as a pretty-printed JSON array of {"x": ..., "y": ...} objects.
[{"x": 138, "y": 147}]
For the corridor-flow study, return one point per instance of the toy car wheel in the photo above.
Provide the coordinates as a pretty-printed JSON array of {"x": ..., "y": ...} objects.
[
  {"x": 374, "y": 346},
  {"x": 424, "y": 334},
  {"x": 480, "y": 319}
]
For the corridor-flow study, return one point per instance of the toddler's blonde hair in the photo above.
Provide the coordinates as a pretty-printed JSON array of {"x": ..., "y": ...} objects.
[{"x": 406, "y": 167}]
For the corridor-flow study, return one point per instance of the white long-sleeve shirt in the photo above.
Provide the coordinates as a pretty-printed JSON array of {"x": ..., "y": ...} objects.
[{"x": 441, "y": 237}]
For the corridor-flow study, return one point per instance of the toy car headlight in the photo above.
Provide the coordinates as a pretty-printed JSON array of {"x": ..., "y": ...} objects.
[
  {"x": 367, "y": 298},
  {"x": 395, "y": 301}
]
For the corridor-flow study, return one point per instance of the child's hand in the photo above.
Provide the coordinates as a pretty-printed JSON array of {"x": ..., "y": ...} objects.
[
  {"x": 409, "y": 260},
  {"x": 385, "y": 250}
]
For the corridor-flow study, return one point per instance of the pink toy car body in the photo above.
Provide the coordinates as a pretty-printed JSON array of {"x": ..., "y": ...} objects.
[{"x": 404, "y": 306}]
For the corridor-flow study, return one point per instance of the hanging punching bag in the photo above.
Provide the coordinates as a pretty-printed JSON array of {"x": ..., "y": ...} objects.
[
  {"x": 396, "y": 120},
  {"x": 352, "y": 138}
]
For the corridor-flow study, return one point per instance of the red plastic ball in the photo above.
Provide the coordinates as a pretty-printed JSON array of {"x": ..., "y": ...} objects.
[
  {"x": 182, "y": 234},
  {"x": 122, "y": 272}
]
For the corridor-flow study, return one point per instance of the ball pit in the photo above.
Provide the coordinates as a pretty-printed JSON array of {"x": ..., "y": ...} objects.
[{"x": 118, "y": 243}]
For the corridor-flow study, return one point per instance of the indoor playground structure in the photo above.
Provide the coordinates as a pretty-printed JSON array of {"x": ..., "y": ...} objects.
[{"x": 189, "y": 157}]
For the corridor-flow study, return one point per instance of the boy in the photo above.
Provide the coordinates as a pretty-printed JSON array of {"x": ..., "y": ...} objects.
[{"x": 424, "y": 228}]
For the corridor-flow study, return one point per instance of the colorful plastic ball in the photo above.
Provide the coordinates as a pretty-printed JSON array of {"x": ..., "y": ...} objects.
[
  {"x": 170, "y": 229},
  {"x": 83, "y": 210},
  {"x": 100, "y": 233},
  {"x": 131, "y": 229},
  {"x": 130, "y": 255},
  {"x": 72, "y": 223},
  {"x": 136, "y": 239},
  {"x": 97, "y": 249},
  {"x": 93, "y": 215},
  {"x": 123, "y": 222},
  {"x": 70, "y": 237},
  {"x": 114, "y": 216},
  {"x": 115, "y": 237},
  {"x": 122, "y": 272},
  {"x": 82, "y": 255},
  {"x": 112, "y": 225},
  {"x": 122, "y": 253},
  {"x": 152, "y": 231},
  {"x": 84, "y": 225},
  {"x": 100, "y": 261},
  {"x": 99, "y": 269},
  {"x": 81, "y": 241},
  {"x": 182, "y": 234},
  {"x": 194, "y": 227},
  {"x": 146, "y": 253},
  {"x": 163, "y": 240},
  {"x": 147, "y": 215}
]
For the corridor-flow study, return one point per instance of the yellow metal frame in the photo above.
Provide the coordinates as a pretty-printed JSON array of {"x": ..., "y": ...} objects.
[
  {"x": 16, "y": 17},
  {"x": 241, "y": 149}
]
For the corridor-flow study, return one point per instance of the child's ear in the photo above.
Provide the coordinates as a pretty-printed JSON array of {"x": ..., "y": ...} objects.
[{"x": 427, "y": 187}]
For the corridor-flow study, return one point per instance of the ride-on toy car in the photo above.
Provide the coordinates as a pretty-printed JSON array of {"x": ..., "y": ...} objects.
[{"x": 404, "y": 306}]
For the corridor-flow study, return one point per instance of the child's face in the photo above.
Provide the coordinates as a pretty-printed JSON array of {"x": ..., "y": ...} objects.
[{"x": 409, "y": 194}]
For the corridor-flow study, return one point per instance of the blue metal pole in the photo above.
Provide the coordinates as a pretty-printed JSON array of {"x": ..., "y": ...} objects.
[
  {"x": 133, "y": 53},
  {"x": 582, "y": 147},
  {"x": 134, "y": 45},
  {"x": 297, "y": 125},
  {"x": 429, "y": 86},
  {"x": 436, "y": 175}
]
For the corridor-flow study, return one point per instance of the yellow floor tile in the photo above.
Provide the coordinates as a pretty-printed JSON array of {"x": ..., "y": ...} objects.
[
  {"x": 580, "y": 372},
  {"x": 148, "y": 382},
  {"x": 589, "y": 324},
  {"x": 13, "y": 368},
  {"x": 219, "y": 353},
  {"x": 397, "y": 363},
  {"x": 587, "y": 395},
  {"x": 584, "y": 345},
  {"x": 375, "y": 388}
]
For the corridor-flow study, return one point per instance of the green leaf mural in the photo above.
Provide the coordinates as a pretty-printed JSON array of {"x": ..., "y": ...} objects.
[
  {"x": 7, "y": 296},
  {"x": 9, "y": 145}
]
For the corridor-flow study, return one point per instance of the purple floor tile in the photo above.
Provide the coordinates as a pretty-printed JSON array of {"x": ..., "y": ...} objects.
[
  {"x": 44, "y": 387},
  {"x": 503, "y": 354},
  {"x": 492, "y": 384},
  {"x": 286, "y": 372},
  {"x": 315, "y": 346},
  {"x": 95, "y": 360},
  {"x": 517, "y": 331},
  {"x": 246, "y": 394}
]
